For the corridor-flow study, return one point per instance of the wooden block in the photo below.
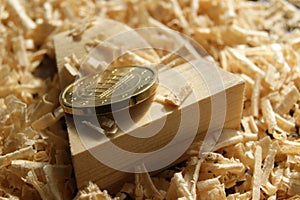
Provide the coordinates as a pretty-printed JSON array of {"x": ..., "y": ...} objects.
[
  {"x": 84, "y": 140},
  {"x": 89, "y": 168}
]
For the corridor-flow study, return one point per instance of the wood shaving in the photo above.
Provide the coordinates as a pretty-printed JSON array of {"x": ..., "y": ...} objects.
[
  {"x": 92, "y": 191},
  {"x": 257, "y": 40},
  {"x": 106, "y": 125},
  {"x": 144, "y": 182},
  {"x": 19, "y": 10},
  {"x": 255, "y": 96},
  {"x": 292, "y": 96},
  {"x": 179, "y": 188},
  {"x": 18, "y": 154},
  {"x": 257, "y": 173},
  {"x": 211, "y": 189},
  {"x": 175, "y": 97},
  {"x": 269, "y": 115}
]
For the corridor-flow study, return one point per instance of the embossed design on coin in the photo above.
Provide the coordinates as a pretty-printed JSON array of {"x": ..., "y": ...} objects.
[{"x": 121, "y": 87}]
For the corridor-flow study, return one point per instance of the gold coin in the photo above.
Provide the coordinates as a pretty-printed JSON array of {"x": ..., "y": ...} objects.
[{"x": 114, "y": 89}]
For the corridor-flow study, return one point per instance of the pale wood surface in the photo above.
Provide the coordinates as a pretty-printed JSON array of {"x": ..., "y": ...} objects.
[{"x": 87, "y": 168}]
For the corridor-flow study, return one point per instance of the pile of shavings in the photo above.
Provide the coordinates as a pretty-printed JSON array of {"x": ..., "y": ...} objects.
[{"x": 260, "y": 41}]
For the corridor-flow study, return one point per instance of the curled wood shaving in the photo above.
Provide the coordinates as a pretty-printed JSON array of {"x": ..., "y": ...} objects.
[
  {"x": 292, "y": 96},
  {"x": 257, "y": 173},
  {"x": 145, "y": 187},
  {"x": 22, "y": 167},
  {"x": 92, "y": 191},
  {"x": 25, "y": 152},
  {"x": 48, "y": 119},
  {"x": 284, "y": 124},
  {"x": 269, "y": 115},
  {"x": 232, "y": 137},
  {"x": 19, "y": 10},
  {"x": 181, "y": 188},
  {"x": 42, "y": 188},
  {"x": 255, "y": 96},
  {"x": 257, "y": 40},
  {"x": 211, "y": 189},
  {"x": 269, "y": 163}
]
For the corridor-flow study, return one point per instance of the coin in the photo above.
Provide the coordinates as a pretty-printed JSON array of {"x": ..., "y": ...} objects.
[{"x": 114, "y": 89}]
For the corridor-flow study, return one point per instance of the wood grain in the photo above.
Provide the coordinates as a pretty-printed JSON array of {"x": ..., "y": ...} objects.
[{"x": 88, "y": 168}]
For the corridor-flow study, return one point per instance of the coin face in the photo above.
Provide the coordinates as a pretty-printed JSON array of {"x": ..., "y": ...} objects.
[{"x": 114, "y": 89}]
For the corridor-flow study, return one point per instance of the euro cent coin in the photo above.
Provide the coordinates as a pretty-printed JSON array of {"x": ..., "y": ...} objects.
[{"x": 115, "y": 89}]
